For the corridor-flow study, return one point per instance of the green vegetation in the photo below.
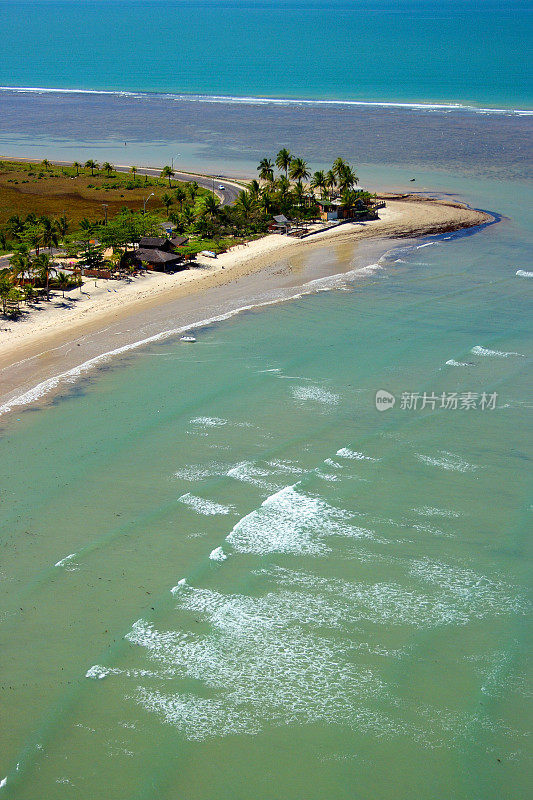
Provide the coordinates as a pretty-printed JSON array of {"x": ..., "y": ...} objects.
[
  {"x": 76, "y": 192},
  {"x": 101, "y": 235}
]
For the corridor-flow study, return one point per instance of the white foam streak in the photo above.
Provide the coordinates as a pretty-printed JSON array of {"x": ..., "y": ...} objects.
[
  {"x": 64, "y": 560},
  {"x": 97, "y": 672},
  {"x": 217, "y": 554},
  {"x": 291, "y": 522},
  {"x": 202, "y": 506},
  {"x": 316, "y": 394},
  {"x": 345, "y": 452},
  {"x": 448, "y": 461},
  {"x": 277, "y": 101},
  {"x": 478, "y": 350},
  {"x": 209, "y": 422},
  {"x": 522, "y": 273}
]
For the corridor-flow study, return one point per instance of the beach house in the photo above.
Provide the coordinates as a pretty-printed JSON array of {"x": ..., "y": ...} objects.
[{"x": 159, "y": 253}]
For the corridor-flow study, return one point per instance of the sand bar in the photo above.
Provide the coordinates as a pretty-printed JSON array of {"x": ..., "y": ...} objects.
[{"x": 47, "y": 342}]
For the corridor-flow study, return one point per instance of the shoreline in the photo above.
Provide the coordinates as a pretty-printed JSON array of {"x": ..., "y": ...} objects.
[
  {"x": 437, "y": 105},
  {"x": 31, "y": 349}
]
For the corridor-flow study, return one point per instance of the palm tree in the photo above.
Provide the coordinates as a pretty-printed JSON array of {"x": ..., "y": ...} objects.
[
  {"x": 187, "y": 217},
  {"x": 92, "y": 165},
  {"x": 211, "y": 206},
  {"x": 33, "y": 235},
  {"x": 318, "y": 181},
  {"x": 245, "y": 204},
  {"x": 44, "y": 269},
  {"x": 265, "y": 169},
  {"x": 87, "y": 227},
  {"x": 133, "y": 170},
  {"x": 50, "y": 237},
  {"x": 167, "y": 202},
  {"x": 20, "y": 263},
  {"x": 298, "y": 170},
  {"x": 15, "y": 227},
  {"x": 254, "y": 188},
  {"x": 331, "y": 182},
  {"x": 283, "y": 161},
  {"x": 191, "y": 190},
  {"x": 266, "y": 202},
  {"x": 167, "y": 172},
  {"x": 77, "y": 167},
  {"x": 62, "y": 226},
  {"x": 349, "y": 198},
  {"x": 63, "y": 281},
  {"x": 339, "y": 165},
  {"x": 347, "y": 178},
  {"x": 179, "y": 195},
  {"x": 109, "y": 168},
  {"x": 283, "y": 186},
  {"x": 299, "y": 194}
]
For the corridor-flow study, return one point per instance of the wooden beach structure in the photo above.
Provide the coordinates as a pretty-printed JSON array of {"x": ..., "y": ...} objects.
[{"x": 159, "y": 253}]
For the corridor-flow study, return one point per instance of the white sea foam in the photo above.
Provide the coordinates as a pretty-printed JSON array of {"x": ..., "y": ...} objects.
[
  {"x": 452, "y": 363},
  {"x": 432, "y": 530},
  {"x": 209, "y": 422},
  {"x": 180, "y": 584},
  {"x": 522, "y": 273},
  {"x": 331, "y": 463},
  {"x": 276, "y": 101},
  {"x": 242, "y": 665},
  {"x": 197, "y": 472},
  {"x": 428, "y": 511},
  {"x": 271, "y": 659},
  {"x": 484, "y": 351},
  {"x": 326, "y": 476},
  {"x": 64, "y": 560},
  {"x": 284, "y": 467},
  {"x": 426, "y": 244},
  {"x": 448, "y": 461},
  {"x": 203, "y": 506},
  {"x": 291, "y": 522},
  {"x": 97, "y": 672},
  {"x": 345, "y": 452},
  {"x": 248, "y": 472},
  {"x": 316, "y": 394},
  {"x": 477, "y": 595},
  {"x": 217, "y": 554}
]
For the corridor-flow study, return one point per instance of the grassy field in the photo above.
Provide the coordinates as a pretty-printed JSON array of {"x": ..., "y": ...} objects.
[{"x": 32, "y": 188}]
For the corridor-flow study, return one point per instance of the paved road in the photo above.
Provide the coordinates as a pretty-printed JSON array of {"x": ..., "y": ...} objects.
[{"x": 227, "y": 196}]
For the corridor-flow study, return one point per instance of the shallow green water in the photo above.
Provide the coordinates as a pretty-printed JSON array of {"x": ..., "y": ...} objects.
[{"x": 366, "y": 634}]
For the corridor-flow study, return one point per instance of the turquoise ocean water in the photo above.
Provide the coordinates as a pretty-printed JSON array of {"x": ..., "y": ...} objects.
[
  {"x": 452, "y": 51},
  {"x": 224, "y": 573}
]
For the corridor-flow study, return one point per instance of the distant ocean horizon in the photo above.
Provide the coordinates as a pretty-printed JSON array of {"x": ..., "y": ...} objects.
[{"x": 406, "y": 52}]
